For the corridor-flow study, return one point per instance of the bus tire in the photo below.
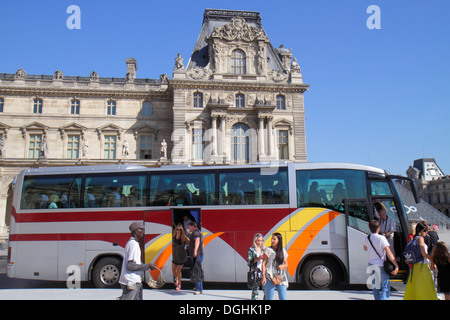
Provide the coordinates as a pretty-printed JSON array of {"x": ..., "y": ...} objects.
[
  {"x": 106, "y": 272},
  {"x": 320, "y": 273}
]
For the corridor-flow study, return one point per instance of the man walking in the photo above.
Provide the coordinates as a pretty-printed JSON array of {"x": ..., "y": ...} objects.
[
  {"x": 196, "y": 251},
  {"x": 132, "y": 266}
]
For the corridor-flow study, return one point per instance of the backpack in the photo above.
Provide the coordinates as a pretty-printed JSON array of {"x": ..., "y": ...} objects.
[{"x": 412, "y": 252}]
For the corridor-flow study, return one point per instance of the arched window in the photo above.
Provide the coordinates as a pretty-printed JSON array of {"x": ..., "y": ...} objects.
[
  {"x": 240, "y": 143},
  {"x": 238, "y": 63}
]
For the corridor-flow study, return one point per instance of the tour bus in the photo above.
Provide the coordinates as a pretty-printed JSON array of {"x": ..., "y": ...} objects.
[{"x": 79, "y": 216}]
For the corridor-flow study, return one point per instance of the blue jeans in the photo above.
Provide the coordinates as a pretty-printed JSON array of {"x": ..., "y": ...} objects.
[
  {"x": 269, "y": 290},
  {"x": 199, "y": 284},
  {"x": 382, "y": 290}
]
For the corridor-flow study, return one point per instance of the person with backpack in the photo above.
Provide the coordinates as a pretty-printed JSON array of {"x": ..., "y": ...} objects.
[{"x": 420, "y": 285}]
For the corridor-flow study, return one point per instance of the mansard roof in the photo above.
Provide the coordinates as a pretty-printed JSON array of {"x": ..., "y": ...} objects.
[{"x": 214, "y": 19}]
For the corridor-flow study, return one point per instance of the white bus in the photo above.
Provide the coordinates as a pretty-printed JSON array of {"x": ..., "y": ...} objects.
[{"x": 65, "y": 216}]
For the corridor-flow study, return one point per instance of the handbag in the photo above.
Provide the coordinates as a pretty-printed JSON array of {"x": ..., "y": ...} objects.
[
  {"x": 387, "y": 264},
  {"x": 254, "y": 277},
  {"x": 196, "y": 274},
  {"x": 276, "y": 279}
]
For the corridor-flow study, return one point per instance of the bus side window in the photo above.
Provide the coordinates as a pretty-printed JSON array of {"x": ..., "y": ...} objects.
[
  {"x": 329, "y": 188},
  {"x": 46, "y": 192}
]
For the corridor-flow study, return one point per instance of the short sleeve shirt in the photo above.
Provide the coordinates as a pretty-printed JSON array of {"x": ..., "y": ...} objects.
[
  {"x": 379, "y": 242},
  {"x": 132, "y": 253}
]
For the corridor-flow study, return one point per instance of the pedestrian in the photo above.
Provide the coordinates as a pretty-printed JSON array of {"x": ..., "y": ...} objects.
[
  {"x": 196, "y": 252},
  {"x": 379, "y": 250},
  {"x": 132, "y": 266},
  {"x": 387, "y": 224},
  {"x": 420, "y": 285},
  {"x": 274, "y": 269},
  {"x": 255, "y": 258},
  {"x": 179, "y": 256},
  {"x": 441, "y": 258}
]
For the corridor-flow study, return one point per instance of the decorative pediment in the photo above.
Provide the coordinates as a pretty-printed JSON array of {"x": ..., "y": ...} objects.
[
  {"x": 109, "y": 128},
  {"x": 73, "y": 127},
  {"x": 144, "y": 128},
  {"x": 238, "y": 30},
  {"x": 34, "y": 126}
]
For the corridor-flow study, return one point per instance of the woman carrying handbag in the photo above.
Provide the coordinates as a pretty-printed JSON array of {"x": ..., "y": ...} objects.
[
  {"x": 254, "y": 261},
  {"x": 274, "y": 269}
]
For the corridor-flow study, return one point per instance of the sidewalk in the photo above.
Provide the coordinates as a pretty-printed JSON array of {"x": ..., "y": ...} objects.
[{"x": 171, "y": 294}]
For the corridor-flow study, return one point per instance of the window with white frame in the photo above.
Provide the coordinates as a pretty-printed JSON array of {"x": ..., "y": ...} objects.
[
  {"x": 238, "y": 62},
  {"x": 110, "y": 147},
  {"x": 73, "y": 146},
  {"x": 34, "y": 146}
]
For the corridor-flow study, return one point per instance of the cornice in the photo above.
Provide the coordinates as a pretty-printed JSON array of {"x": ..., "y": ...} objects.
[
  {"x": 94, "y": 93},
  {"x": 233, "y": 86}
]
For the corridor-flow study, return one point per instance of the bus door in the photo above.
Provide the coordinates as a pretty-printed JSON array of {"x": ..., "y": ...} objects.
[
  {"x": 184, "y": 216},
  {"x": 396, "y": 241},
  {"x": 357, "y": 219}
]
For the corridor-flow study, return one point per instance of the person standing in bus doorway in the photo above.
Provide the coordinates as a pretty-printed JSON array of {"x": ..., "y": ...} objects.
[
  {"x": 387, "y": 224},
  {"x": 132, "y": 266},
  {"x": 274, "y": 269},
  {"x": 255, "y": 257},
  {"x": 379, "y": 251},
  {"x": 179, "y": 256},
  {"x": 196, "y": 252}
]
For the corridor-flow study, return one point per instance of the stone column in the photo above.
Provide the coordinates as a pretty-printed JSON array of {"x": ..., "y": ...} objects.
[
  {"x": 214, "y": 134},
  {"x": 269, "y": 137},
  {"x": 261, "y": 136}
]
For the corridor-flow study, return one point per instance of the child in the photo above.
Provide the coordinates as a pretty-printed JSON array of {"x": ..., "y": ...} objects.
[{"x": 441, "y": 258}]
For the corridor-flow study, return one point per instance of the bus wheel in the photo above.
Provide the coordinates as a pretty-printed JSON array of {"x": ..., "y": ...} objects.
[
  {"x": 320, "y": 273},
  {"x": 106, "y": 272}
]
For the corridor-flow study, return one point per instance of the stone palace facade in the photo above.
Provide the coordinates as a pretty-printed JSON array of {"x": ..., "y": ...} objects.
[{"x": 237, "y": 100}]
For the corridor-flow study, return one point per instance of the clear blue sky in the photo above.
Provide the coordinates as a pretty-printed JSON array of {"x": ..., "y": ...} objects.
[{"x": 377, "y": 97}]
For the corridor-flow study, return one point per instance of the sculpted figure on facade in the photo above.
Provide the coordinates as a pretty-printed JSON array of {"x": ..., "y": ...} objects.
[
  {"x": 179, "y": 62},
  {"x": 2, "y": 148},
  {"x": 94, "y": 75},
  {"x": 20, "y": 74},
  {"x": 58, "y": 75}
]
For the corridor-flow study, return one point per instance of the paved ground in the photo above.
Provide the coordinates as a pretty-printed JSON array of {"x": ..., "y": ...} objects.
[{"x": 17, "y": 289}]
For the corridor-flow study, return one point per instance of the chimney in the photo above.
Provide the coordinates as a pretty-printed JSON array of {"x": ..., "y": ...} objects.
[{"x": 131, "y": 68}]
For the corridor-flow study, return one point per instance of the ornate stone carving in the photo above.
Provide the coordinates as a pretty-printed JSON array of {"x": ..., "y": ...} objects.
[
  {"x": 238, "y": 29},
  {"x": 198, "y": 74},
  {"x": 278, "y": 76},
  {"x": 20, "y": 74}
]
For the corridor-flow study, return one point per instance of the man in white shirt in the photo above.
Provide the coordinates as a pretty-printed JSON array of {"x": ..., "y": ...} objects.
[
  {"x": 132, "y": 266},
  {"x": 377, "y": 258}
]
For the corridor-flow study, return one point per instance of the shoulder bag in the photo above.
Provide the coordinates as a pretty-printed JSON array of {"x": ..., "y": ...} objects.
[{"x": 387, "y": 264}]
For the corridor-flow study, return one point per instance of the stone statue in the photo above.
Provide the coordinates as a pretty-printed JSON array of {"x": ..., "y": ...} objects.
[
  {"x": 295, "y": 68},
  {"x": 164, "y": 149},
  {"x": 179, "y": 62},
  {"x": 2, "y": 148},
  {"x": 85, "y": 148},
  {"x": 125, "y": 148},
  {"x": 44, "y": 148}
]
